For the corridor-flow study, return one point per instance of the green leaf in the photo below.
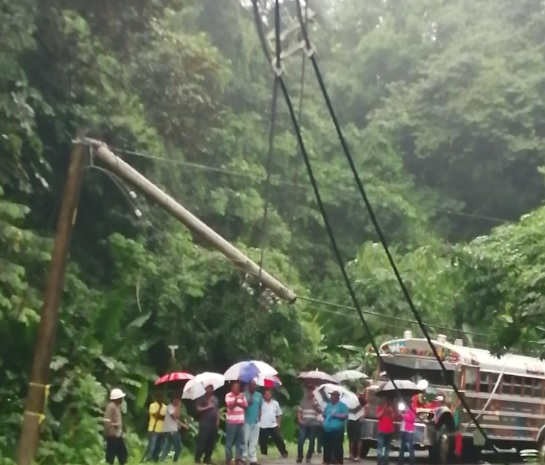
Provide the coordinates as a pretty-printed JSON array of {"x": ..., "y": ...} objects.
[{"x": 140, "y": 321}]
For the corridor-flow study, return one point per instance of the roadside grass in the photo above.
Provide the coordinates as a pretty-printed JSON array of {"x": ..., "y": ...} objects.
[{"x": 218, "y": 456}]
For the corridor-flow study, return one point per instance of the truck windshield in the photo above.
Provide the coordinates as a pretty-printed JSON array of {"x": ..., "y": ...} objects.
[{"x": 434, "y": 377}]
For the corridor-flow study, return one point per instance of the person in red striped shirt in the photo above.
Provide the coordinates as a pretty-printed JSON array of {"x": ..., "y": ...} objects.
[{"x": 236, "y": 404}]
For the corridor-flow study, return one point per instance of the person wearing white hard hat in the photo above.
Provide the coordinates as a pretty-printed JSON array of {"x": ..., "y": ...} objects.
[{"x": 113, "y": 429}]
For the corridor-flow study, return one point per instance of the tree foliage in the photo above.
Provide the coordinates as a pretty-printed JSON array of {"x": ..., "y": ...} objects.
[{"x": 440, "y": 103}]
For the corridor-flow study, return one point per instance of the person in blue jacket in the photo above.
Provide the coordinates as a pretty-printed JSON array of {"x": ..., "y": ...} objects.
[{"x": 335, "y": 416}]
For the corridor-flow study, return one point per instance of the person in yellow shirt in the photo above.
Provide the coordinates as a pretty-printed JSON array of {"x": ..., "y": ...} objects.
[{"x": 157, "y": 411}]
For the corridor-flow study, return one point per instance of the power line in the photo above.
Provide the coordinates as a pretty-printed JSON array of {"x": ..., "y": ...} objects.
[
  {"x": 390, "y": 317},
  {"x": 377, "y": 227},
  {"x": 479, "y": 344},
  {"x": 325, "y": 218},
  {"x": 270, "y": 154},
  {"x": 279, "y": 182}
]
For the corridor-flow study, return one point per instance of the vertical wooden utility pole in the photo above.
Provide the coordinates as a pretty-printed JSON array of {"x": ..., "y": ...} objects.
[{"x": 43, "y": 352}]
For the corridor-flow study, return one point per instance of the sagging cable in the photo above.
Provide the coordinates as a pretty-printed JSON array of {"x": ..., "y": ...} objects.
[
  {"x": 317, "y": 195},
  {"x": 378, "y": 229}
]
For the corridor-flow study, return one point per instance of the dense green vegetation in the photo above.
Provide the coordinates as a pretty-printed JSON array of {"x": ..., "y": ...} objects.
[{"x": 443, "y": 107}]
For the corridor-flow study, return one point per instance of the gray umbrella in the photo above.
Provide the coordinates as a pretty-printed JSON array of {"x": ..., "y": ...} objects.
[
  {"x": 405, "y": 386},
  {"x": 317, "y": 376}
]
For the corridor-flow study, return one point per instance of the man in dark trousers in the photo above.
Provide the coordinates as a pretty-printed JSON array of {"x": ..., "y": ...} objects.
[
  {"x": 113, "y": 429},
  {"x": 271, "y": 415},
  {"x": 209, "y": 418}
]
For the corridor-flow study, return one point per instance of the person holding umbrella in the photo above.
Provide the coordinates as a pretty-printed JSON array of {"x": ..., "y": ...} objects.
[
  {"x": 201, "y": 390},
  {"x": 308, "y": 423},
  {"x": 335, "y": 416},
  {"x": 247, "y": 372},
  {"x": 252, "y": 417},
  {"x": 209, "y": 419},
  {"x": 236, "y": 404}
]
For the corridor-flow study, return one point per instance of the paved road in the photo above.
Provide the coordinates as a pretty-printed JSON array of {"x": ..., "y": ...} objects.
[{"x": 421, "y": 459}]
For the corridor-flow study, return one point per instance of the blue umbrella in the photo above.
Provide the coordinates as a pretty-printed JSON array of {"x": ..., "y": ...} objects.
[{"x": 248, "y": 372}]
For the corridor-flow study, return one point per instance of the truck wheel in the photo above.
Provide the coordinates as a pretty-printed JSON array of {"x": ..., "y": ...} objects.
[
  {"x": 442, "y": 451},
  {"x": 541, "y": 447}
]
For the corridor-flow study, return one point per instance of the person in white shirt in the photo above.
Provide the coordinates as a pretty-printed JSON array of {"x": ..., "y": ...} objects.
[
  {"x": 171, "y": 427},
  {"x": 271, "y": 416}
]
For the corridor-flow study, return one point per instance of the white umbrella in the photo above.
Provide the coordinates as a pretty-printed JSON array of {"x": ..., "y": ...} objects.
[
  {"x": 323, "y": 393},
  {"x": 317, "y": 375},
  {"x": 349, "y": 375},
  {"x": 196, "y": 387},
  {"x": 251, "y": 369}
]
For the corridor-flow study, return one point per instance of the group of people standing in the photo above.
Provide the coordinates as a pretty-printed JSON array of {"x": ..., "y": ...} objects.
[
  {"x": 325, "y": 429},
  {"x": 327, "y": 426},
  {"x": 404, "y": 412},
  {"x": 165, "y": 424},
  {"x": 387, "y": 414},
  {"x": 252, "y": 419}
]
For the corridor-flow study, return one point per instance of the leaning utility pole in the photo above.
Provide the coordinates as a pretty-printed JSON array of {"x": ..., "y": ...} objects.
[
  {"x": 150, "y": 190},
  {"x": 49, "y": 316}
]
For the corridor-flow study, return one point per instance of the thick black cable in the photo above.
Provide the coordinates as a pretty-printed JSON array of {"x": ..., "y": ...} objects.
[
  {"x": 376, "y": 225},
  {"x": 272, "y": 131},
  {"x": 271, "y": 137},
  {"x": 277, "y": 44},
  {"x": 314, "y": 184},
  {"x": 262, "y": 39},
  {"x": 295, "y": 178}
]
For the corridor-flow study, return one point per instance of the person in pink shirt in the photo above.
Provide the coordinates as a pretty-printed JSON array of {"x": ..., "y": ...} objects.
[
  {"x": 406, "y": 434},
  {"x": 236, "y": 404}
]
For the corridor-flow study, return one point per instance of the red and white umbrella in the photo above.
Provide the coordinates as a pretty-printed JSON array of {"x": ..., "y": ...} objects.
[
  {"x": 175, "y": 376},
  {"x": 317, "y": 377},
  {"x": 268, "y": 381}
]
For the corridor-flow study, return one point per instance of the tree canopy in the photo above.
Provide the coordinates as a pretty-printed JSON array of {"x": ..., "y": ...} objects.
[{"x": 442, "y": 106}]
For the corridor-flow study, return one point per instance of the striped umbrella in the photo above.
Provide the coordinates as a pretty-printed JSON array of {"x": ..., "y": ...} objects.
[{"x": 268, "y": 381}]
